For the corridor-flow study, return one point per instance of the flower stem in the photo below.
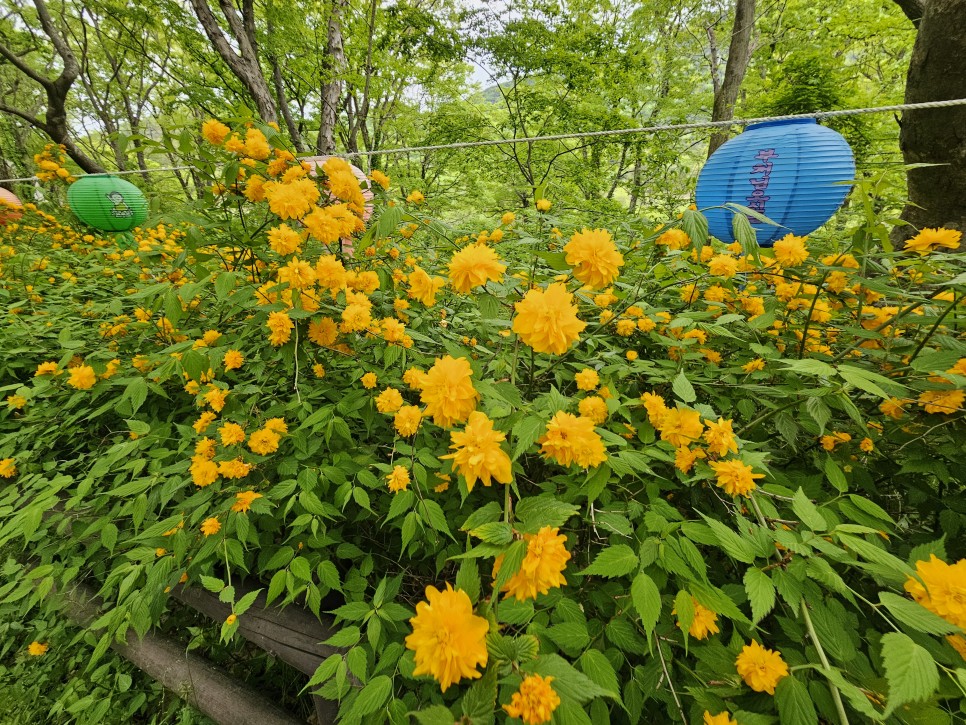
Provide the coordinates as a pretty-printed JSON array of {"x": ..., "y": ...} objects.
[{"x": 836, "y": 696}]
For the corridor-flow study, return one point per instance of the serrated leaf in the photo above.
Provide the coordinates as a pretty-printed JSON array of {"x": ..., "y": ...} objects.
[
  {"x": 910, "y": 670},
  {"x": 647, "y": 601},
  {"x": 468, "y": 579},
  {"x": 495, "y": 532},
  {"x": 372, "y": 697},
  {"x": 807, "y": 512},
  {"x": 435, "y": 715},
  {"x": 915, "y": 615},
  {"x": 535, "y": 512},
  {"x": 794, "y": 703},
  {"x": 734, "y": 545},
  {"x": 571, "y": 637},
  {"x": 683, "y": 389},
  {"x": 612, "y": 562},
  {"x": 597, "y": 667},
  {"x": 512, "y": 560},
  {"x": 761, "y": 593},
  {"x": 568, "y": 682},
  {"x": 526, "y": 432},
  {"x": 344, "y": 638}
]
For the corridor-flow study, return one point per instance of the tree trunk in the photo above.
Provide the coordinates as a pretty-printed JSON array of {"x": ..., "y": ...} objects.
[
  {"x": 332, "y": 86},
  {"x": 937, "y": 194},
  {"x": 244, "y": 64},
  {"x": 739, "y": 55}
]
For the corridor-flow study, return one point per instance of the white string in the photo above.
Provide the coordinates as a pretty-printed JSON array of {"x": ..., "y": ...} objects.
[{"x": 597, "y": 134}]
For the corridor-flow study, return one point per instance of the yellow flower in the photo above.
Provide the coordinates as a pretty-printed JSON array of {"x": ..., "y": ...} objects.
[
  {"x": 473, "y": 266},
  {"x": 571, "y": 439},
  {"x": 215, "y": 397},
  {"x": 943, "y": 588},
  {"x": 206, "y": 419},
  {"x": 407, "y": 420},
  {"x": 231, "y": 433},
  {"x": 36, "y": 649},
  {"x": 379, "y": 178},
  {"x": 233, "y": 360},
  {"x": 231, "y": 619},
  {"x": 680, "y": 426},
  {"x": 448, "y": 392},
  {"x": 945, "y": 402},
  {"x": 790, "y": 251},
  {"x": 508, "y": 218},
  {"x": 280, "y": 326},
  {"x": 424, "y": 288},
  {"x": 684, "y": 458},
  {"x": 8, "y": 468},
  {"x": 292, "y": 200},
  {"x": 754, "y": 365},
  {"x": 534, "y": 702},
  {"x": 761, "y": 668},
  {"x": 203, "y": 471},
  {"x": 47, "y": 368},
  {"x": 214, "y": 132},
  {"x": 543, "y": 204},
  {"x": 256, "y": 145},
  {"x": 276, "y": 425},
  {"x": 723, "y": 265},
  {"x": 547, "y": 321},
  {"x": 830, "y": 441},
  {"x": 264, "y": 441},
  {"x": 243, "y": 501},
  {"x": 722, "y": 718},
  {"x": 389, "y": 401},
  {"x": 478, "y": 455},
  {"x": 542, "y": 567},
  {"x": 416, "y": 197},
  {"x": 448, "y": 640},
  {"x": 398, "y": 479},
  {"x": 297, "y": 274},
  {"x": 892, "y": 408},
  {"x": 656, "y": 408},
  {"x": 735, "y": 477},
  {"x": 82, "y": 377},
  {"x": 957, "y": 643},
  {"x": 674, "y": 239},
  {"x": 704, "y": 623},
  {"x": 594, "y": 257},
  {"x": 210, "y": 526},
  {"x": 16, "y": 402},
  {"x": 595, "y": 408},
  {"x": 867, "y": 445},
  {"x": 235, "y": 468},
  {"x": 369, "y": 381},
  {"x": 631, "y": 355},
  {"x": 625, "y": 328},
  {"x": 931, "y": 239},
  {"x": 323, "y": 332},
  {"x": 720, "y": 437}
]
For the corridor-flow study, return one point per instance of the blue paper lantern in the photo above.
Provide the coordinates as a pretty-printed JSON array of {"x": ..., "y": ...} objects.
[{"x": 789, "y": 171}]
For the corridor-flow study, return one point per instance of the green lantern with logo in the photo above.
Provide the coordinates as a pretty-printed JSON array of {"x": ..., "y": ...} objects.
[{"x": 108, "y": 203}]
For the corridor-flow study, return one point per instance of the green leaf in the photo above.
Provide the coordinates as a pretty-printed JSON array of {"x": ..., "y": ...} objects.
[
  {"x": 597, "y": 667},
  {"x": 910, "y": 670},
  {"x": 495, "y": 532},
  {"x": 794, "y": 703},
  {"x": 647, "y": 601},
  {"x": 808, "y": 512},
  {"x": 479, "y": 702},
  {"x": 435, "y": 715},
  {"x": 568, "y": 682},
  {"x": 612, "y": 562},
  {"x": 535, "y": 512},
  {"x": 433, "y": 515},
  {"x": 870, "y": 382},
  {"x": 835, "y": 475},
  {"x": 761, "y": 593},
  {"x": 571, "y": 637},
  {"x": 344, "y": 638},
  {"x": 512, "y": 560},
  {"x": 819, "y": 411},
  {"x": 372, "y": 697},
  {"x": 734, "y": 545},
  {"x": 683, "y": 389},
  {"x": 915, "y": 615},
  {"x": 137, "y": 392},
  {"x": 526, "y": 433},
  {"x": 468, "y": 579},
  {"x": 212, "y": 584}
]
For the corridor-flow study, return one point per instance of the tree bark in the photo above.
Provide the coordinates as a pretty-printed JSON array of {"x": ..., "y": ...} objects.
[
  {"x": 937, "y": 194},
  {"x": 244, "y": 64},
  {"x": 54, "y": 123},
  {"x": 739, "y": 55},
  {"x": 332, "y": 84}
]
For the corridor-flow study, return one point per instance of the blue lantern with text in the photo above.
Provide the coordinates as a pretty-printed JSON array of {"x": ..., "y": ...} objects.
[{"x": 790, "y": 171}]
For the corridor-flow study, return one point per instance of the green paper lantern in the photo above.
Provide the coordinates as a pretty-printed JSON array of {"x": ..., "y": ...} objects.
[{"x": 107, "y": 203}]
